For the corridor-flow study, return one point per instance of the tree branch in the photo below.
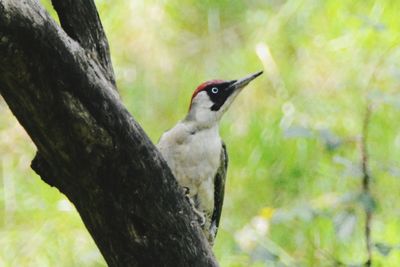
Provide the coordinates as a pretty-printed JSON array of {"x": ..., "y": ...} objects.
[
  {"x": 90, "y": 147},
  {"x": 80, "y": 20},
  {"x": 366, "y": 180}
]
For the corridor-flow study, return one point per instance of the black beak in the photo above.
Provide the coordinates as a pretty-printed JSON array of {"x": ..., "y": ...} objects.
[{"x": 239, "y": 84}]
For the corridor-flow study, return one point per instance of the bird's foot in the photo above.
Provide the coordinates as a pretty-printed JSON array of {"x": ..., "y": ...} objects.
[
  {"x": 201, "y": 218},
  {"x": 186, "y": 191}
]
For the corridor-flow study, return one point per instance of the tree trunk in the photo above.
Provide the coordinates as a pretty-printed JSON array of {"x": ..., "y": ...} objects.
[{"x": 60, "y": 85}]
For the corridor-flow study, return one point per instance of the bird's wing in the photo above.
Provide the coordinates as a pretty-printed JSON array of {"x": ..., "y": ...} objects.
[{"x": 219, "y": 189}]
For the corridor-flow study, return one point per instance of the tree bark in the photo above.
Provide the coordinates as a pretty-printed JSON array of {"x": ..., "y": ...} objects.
[{"x": 59, "y": 83}]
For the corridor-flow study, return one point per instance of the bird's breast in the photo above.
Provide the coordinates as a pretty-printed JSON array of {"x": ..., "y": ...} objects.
[
  {"x": 194, "y": 157},
  {"x": 199, "y": 157}
]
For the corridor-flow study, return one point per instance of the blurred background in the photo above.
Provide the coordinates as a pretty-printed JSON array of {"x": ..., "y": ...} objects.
[{"x": 294, "y": 194}]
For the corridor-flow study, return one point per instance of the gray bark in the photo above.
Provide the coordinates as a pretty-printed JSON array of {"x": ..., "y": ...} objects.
[{"x": 59, "y": 84}]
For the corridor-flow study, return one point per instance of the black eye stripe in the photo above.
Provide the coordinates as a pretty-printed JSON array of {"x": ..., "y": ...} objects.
[{"x": 218, "y": 94}]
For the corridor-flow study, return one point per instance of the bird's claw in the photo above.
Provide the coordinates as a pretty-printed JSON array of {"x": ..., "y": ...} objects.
[
  {"x": 186, "y": 191},
  {"x": 200, "y": 217},
  {"x": 202, "y": 220}
]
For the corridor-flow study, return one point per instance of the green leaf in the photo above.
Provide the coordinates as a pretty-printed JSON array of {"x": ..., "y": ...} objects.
[
  {"x": 351, "y": 168},
  {"x": 345, "y": 223},
  {"x": 383, "y": 249},
  {"x": 330, "y": 140},
  {"x": 297, "y": 132},
  {"x": 367, "y": 201}
]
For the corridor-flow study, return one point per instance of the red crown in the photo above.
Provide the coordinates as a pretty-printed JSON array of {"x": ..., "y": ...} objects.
[{"x": 202, "y": 86}]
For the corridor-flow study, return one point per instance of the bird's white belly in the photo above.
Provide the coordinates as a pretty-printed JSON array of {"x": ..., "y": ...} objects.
[{"x": 194, "y": 161}]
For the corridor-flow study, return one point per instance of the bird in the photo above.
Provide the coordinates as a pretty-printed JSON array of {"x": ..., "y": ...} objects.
[{"x": 196, "y": 154}]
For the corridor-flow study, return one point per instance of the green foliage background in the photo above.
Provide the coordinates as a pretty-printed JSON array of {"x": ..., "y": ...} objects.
[{"x": 294, "y": 181}]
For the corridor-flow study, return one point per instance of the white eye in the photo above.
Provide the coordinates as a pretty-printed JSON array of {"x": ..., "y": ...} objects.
[{"x": 214, "y": 90}]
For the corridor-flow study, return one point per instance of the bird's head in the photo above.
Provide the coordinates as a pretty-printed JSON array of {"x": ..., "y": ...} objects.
[{"x": 212, "y": 99}]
